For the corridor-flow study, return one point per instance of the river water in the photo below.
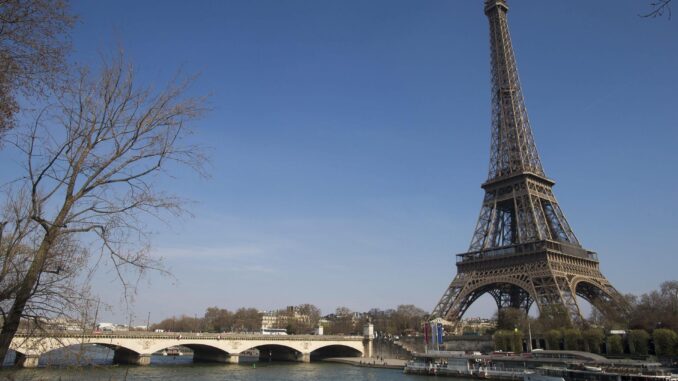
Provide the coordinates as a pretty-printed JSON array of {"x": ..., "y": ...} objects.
[
  {"x": 175, "y": 369},
  {"x": 61, "y": 365}
]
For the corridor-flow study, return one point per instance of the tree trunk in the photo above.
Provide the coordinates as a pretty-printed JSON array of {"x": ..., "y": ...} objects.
[{"x": 13, "y": 317}]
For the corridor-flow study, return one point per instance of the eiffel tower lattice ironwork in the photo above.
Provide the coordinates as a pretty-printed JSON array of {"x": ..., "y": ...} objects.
[{"x": 523, "y": 250}]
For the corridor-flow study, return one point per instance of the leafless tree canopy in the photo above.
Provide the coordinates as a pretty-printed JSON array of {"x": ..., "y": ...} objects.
[
  {"x": 32, "y": 50},
  {"x": 58, "y": 292},
  {"x": 91, "y": 165},
  {"x": 656, "y": 309}
]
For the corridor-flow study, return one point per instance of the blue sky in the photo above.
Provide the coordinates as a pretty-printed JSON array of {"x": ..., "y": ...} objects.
[{"x": 349, "y": 139}]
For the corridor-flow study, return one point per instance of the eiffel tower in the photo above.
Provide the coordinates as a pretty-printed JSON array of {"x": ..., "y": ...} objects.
[{"x": 523, "y": 250}]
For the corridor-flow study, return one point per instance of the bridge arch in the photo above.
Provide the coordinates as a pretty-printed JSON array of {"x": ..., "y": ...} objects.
[
  {"x": 202, "y": 351},
  {"x": 30, "y": 350},
  {"x": 40, "y": 346},
  {"x": 79, "y": 354},
  {"x": 335, "y": 350},
  {"x": 276, "y": 351},
  {"x": 192, "y": 344}
]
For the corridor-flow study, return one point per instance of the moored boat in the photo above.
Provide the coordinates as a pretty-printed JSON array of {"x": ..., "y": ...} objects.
[
  {"x": 547, "y": 366},
  {"x": 440, "y": 363},
  {"x": 172, "y": 351}
]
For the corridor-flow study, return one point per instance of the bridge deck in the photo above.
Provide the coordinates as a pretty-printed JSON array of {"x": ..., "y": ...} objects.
[
  {"x": 187, "y": 335},
  {"x": 137, "y": 347}
]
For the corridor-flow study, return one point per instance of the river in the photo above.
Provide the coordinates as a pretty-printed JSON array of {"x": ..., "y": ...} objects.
[{"x": 178, "y": 369}]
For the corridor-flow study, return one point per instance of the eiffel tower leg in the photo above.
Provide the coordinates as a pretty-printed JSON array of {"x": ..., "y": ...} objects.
[
  {"x": 600, "y": 293},
  {"x": 452, "y": 305},
  {"x": 556, "y": 292}
]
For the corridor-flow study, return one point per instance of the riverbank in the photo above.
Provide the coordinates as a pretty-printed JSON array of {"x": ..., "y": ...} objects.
[{"x": 370, "y": 362}]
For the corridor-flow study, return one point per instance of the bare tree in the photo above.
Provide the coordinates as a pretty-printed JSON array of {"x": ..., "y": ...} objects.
[
  {"x": 246, "y": 320},
  {"x": 91, "y": 169},
  {"x": 659, "y": 8},
  {"x": 33, "y": 46},
  {"x": 656, "y": 309}
]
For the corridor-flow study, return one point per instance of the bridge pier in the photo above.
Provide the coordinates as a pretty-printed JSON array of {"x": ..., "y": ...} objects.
[
  {"x": 368, "y": 340},
  {"x": 305, "y": 357},
  {"x": 143, "y": 359},
  {"x": 26, "y": 361},
  {"x": 214, "y": 356},
  {"x": 369, "y": 348},
  {"x": 125, "y": 356}
]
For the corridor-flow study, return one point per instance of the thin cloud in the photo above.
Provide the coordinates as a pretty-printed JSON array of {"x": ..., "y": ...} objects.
[{"x": 225, "y": 252}]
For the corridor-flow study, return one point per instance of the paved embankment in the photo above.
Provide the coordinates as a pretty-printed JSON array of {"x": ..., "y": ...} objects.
[{"x": 370, "y": 362}]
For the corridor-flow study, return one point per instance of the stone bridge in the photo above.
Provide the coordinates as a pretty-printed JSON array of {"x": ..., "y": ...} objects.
[{"x": 137, "y": 347}]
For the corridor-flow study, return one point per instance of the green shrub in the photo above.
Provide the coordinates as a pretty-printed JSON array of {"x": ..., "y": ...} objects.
[
  {"x": 665, "y": 341},
  {"x": 517, "y": 337},
  {"x": 638, "y": 341},
  {"x": 553, "y": 338},
  {"x": 573, "y": 339},
  {"x": 614, "y": 345},
  {"x": 593, "y": 338},
  {"x": 502, "y": 340}
]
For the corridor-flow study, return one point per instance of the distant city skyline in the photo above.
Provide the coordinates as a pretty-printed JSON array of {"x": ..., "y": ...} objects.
[{"x": 349, "y": 139}]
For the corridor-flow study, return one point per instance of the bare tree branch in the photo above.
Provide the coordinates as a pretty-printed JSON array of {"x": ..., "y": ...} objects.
[
  {"x": 92, "y": 165},
  {"x": 659, "y": 8},
  {"x": 33, "y": 46}
]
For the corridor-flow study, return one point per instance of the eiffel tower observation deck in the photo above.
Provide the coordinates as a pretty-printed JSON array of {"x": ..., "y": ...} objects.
[{"x": 523, "y": 250}]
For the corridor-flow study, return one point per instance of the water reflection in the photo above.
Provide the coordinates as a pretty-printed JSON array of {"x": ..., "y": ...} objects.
[
  {"x": 168, "y": 370},
  {"x": 94, "y": 363}
]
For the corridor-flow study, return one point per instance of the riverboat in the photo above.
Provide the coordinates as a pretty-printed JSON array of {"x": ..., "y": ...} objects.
[
  {"x": 468, "y": 367},
  {"x": 607, "y": 374},
  {"x": 172, "y": 351},
  {"x": 544, "y": 366}
]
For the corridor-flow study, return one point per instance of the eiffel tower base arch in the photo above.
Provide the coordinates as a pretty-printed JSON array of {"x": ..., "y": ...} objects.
[{"x": 551, "y": 283}]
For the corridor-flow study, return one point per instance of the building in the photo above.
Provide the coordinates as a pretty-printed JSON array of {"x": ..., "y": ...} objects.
[
  {"x": 475, "y": 326},
  {"x": 282, "y": 318}
]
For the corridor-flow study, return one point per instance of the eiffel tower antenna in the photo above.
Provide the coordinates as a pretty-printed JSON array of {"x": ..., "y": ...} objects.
[{"x": 523, "y": 250}]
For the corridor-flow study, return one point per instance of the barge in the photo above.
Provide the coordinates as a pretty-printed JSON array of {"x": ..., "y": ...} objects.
[{"x": 535, "y": 366}]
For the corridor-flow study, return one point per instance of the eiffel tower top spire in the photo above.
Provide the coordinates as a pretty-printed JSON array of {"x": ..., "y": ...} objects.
[
  {"x": 513, "y": 151},
  {"x": 519, "y": 205}
]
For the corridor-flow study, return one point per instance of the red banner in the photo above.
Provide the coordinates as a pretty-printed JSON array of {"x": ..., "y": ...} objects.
[{"x": 427, "y": 332}]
